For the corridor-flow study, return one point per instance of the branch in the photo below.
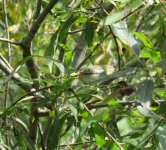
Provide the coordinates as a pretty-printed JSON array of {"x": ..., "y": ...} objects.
[
  {"x": 26, "y": 42},
  {"x": 10, "y": 41},
  {"x": 114, "y": 37},
  {"x": 19, "y": 80},
  {"x": 30, "y": 64},
  {"x": 38, "y": 8}
]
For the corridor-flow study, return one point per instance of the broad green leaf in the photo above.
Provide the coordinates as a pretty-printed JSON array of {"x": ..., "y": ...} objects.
[
  {"x": 99, "y": 140},
  {"x": 124, "y": 126},
  {"x": 99, "y": 134},
  {"x": 120, "y": 29},
  {"x": 116, "y": 16},
  {"x": 7, "y": 111},
  {"x": 143, "y": 39},
  {"x": 102, "y": 115},
  {"x": 52, "y": 113}
]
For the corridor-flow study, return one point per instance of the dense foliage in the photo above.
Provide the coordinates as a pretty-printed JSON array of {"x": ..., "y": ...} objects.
[{"x": 82, "y": 74}]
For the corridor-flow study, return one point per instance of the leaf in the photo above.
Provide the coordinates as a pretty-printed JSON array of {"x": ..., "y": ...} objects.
[
  {"x": 116, "y": 16},
  {"x": 145, "y": 90},
  {"x": 151, "y": 129},
  {"x": 7, "y": 111},
  {"x": 161, "y": 134},
  {"x": 120, "y": 29},
  {"x": 60, "y": 66},
  {"x": 60, "y": 34},
  {"x": 99, "y": 140},
  {"x": 99, "y": 134},
  {"x": 149, "y": 51},
  {"x": 124, "y": 126},
  {"x": 74, "y": 112},
  {"x": 89, "y": 32},
  {"x": 143, "y": 39},
  {"x": 55, "y": 131},
  {"x": 102, "y": 114}
]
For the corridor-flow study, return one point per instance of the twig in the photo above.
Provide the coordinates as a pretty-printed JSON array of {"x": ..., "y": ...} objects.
[
  {"x": 19, "y": 80},
  {"x": 117, "y": 48},
  {"x": 76, "y": 31},
  {"x": 141, "y": 16},
  {"x": 9, "y": 41},
  {"x": 75, "y": 144},
  {"x": 102, "y": 126},
  {"x": 131, "y": 12}
]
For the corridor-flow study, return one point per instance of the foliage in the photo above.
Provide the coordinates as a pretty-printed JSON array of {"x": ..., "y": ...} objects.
[{"x": 82, "y": 74}]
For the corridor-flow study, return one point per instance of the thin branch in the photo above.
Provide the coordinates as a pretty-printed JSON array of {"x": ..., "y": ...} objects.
[
  {"x": 114, "y": 37},
  {"x": 10, "y": 41},
  {"x": 76, "y": 31},
  {"x": 117, "y": 48},
  {"x": 102, "y": 126},
  {"x": 131, "y": 12},
  {"x": 141, "y": 16},
  {"x": 19, "y": 80},
  {"x": 7, "y": 97},
  {"x": 75, "y": 144}
]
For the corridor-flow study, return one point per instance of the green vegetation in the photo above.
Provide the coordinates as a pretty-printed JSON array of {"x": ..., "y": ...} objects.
[{"x": 83, "y": 74}]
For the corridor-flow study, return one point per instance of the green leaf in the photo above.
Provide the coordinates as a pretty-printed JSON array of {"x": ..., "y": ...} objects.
[
  {"x": 143, "y": 39},
  {"x": 151, "y": 129},
  {"x": 60, "y": 34},
  {"x": 52, "y": 113},
  {"x": 120, "y": 29},
  {"x": 99, "y": 140},
  {"x": 99, "y": 134},
  {"x": 55, "y": 131},
  {"x": 89, "y": 32},
  {"x": 145, "y": 90},
  {"x": 74, "y": 112},
  {"x": 7, "y": 111},
  {"x": 116, "y": 16},
  {"x": 60, "y": 66},
  {"x": 102, "y": 114},
  {"x": 161, "y": 134}
]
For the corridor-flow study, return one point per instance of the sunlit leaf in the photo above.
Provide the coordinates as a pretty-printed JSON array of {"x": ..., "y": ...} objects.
[
  {"x": 116, "y": 16},
  {"x": 121, "y": 31}
]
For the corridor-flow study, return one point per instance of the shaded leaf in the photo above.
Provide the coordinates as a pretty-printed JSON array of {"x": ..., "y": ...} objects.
[
  {"x": 120, "y": 29},
  {"x": 89, "y": 32},
  {"x": 161, "y": 134},
  {"x": 145, "y": 90},
  {"x": 60, "y": 34}
]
